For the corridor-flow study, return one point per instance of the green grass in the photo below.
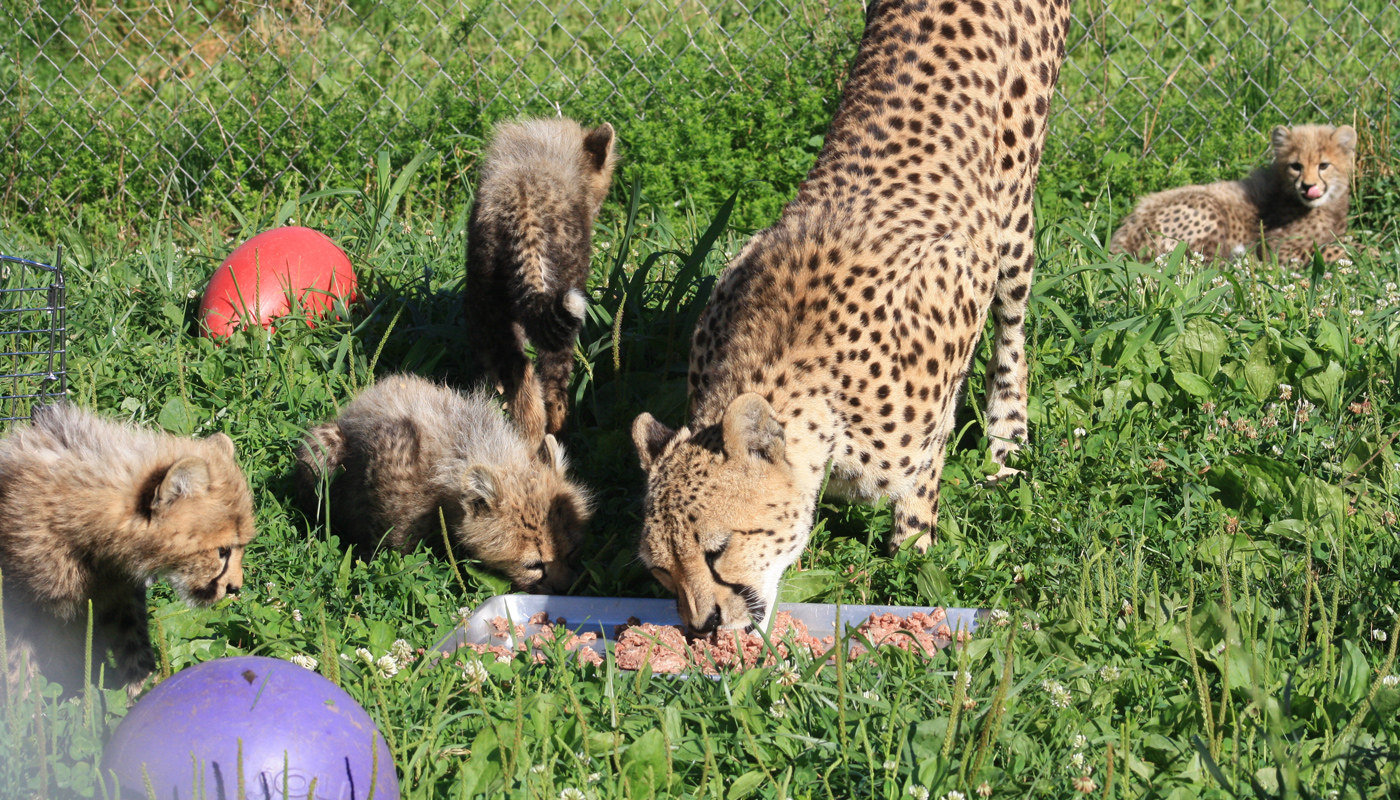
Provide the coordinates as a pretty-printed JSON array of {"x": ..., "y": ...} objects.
[
  {"x": 1197, "y": 568},
  {"x": 1200, "y": 570}
]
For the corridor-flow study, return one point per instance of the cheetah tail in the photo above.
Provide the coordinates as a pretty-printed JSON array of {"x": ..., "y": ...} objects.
[
  {"x": 527, "y": 407},
  {"x": 552, "y": 321}
]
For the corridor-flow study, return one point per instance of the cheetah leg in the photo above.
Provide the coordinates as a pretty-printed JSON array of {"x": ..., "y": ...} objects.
[
  {"x": 916, "y": 514},
  {"x": 126, "y": 629},
  {"x": 1007, "y": 372},
  {"x": 555, "y": 367}
]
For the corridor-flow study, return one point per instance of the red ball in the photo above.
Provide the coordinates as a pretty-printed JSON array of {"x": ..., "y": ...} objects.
[{"x": 253, "y": 284}]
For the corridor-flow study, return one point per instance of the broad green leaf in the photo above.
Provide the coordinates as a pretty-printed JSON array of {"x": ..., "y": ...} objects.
[
  {"x": 1324, "y": 386},
  {"x": 1192, "y": 383},
  {"x": 1199, "y": 348},
  {"x": 1248, "y": 482},
  {"x": 799, "y": 587},
  {"x": 928, "y": 738},
  {"x": 1260, "y": 375},
  {"x": 1329, "y": 338},
  {"x": 744, "y": 785},
  {"x": 1321, "y": 504},
  {"x": 644, "y": 764},
  {"x": 177, "y": 417},
  {"x": 934, "y": 585}
]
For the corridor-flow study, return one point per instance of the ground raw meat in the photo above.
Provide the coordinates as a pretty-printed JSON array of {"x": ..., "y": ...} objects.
[
  {"x": 535, "y": 643},
  {"x": 667, "y": 649}
]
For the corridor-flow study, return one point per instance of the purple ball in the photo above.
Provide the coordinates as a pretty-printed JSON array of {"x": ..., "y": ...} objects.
[{"x": 186, "y": 734}]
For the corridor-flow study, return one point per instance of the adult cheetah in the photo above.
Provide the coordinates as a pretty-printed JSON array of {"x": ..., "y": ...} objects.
[{"x": 842, "y": 334}]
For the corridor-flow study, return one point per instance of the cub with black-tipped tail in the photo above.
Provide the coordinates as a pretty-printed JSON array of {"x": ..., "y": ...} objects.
[{"x": 528, "y": 251}]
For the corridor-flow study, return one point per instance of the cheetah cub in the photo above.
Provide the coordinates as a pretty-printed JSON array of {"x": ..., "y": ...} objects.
[
  {"x": 409, "y": 447},
  {"x": 1289, "y": 209},
  {"x": 93, "y": 510},
  {"x": 528, "y": 251}
]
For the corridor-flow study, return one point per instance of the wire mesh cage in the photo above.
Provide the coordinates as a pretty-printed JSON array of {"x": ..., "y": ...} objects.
[{"x": 33, "y": 340}]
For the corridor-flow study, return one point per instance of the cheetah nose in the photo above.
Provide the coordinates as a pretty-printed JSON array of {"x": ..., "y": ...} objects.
[
  {"x": 1313, "y": 192},
  {"x": 233, "y": 589},
  {"x": 711, "y": 623}
]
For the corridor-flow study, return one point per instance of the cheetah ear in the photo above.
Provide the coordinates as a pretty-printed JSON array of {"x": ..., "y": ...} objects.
[
  {"x": 552, "y": 454},
  {"x": 751, "y": 429},
  {"x": 598, "y": 144},
  {"x": 224, "y": 443},
  {"x": 650, "y": 436},
  {"x": 187, "y": 477},
  {"x": 1345, "y": 137},
  {"x": 480, "y": 483},
  {"x": 1280, "y": 137}
]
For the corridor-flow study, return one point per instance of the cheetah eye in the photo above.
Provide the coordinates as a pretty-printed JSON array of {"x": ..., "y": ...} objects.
[
  {"x": 479, "y": 506},
  {"x": 225, "y": 552},
  {"x": 1296, "y": 167},
  {"x": 534, "y": 566},
  {"x": 1323, "y": 165}
]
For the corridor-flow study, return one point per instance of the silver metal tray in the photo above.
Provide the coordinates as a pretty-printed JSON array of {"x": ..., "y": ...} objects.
[{"x": 601, "y": 615}]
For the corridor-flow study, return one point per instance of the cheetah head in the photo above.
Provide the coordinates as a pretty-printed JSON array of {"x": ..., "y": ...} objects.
[
  {"x": 1315, "y": 160},
  {"x": 201, "y": 511},
  {"x": 723, "y": 514},
  {"x": 525, "y": 523}
]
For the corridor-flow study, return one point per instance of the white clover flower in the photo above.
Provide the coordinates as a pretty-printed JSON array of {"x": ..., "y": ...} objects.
[
  {"x": 365, "y": 656},
  {"x": 918, "y": 792},
  {"x": 1059, "y": 695},
  {"x": 594, "y": 777},
  {"x": 305, "y": 661},
  {"x": 1356, "y": 312},
  {"x": 1379, "y": 635},
  {"x": 401, "y": 651},
  {"x": 890, "y": 765},
  {"x": 1076, "y": 761},
  {"x": 192, "y": 294},
  {"x": 984, "y": 789},
  {"x": 581, "y": 756},
  {"x": 965, "y": 677},
  {"x": 1080, "y": 740},
  {"x": 870, "y": 694},
  {"x": 1109, "y": 673},
  {"x": 537, "y": 769},
  {"x": 778, "y": 709},
  {"x": 296, "y": 614},
  {"x": 463, "y": 613},
  {"x": 475, "y": 674},
  {"x": 955, "y": 795},
  {"x": 1390, "y": 681},
  {"x": 1343, "y": 262},
  {"x": 1079, "y": 433},
  {"x": 387, "y": 666},
  {"x": 787, "y": 676},
  {"x": 1285, "y": 391},
  {"x": 1001, "y": 617},
  {"x": 571, "y": 794}
]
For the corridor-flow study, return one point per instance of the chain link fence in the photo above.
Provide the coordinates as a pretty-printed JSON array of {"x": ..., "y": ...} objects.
[{"x": 145, "y": 101}]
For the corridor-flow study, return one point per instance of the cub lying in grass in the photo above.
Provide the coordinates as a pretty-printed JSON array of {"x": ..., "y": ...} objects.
[
  {"x": 409, "y": 448},
  {"x": 1288, "y": 209},
  {"x": 92, "y": 510}
]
